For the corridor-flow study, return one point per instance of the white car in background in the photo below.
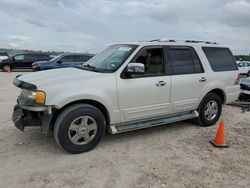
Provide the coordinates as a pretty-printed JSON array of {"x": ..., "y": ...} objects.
[
  {"x": 3, "y": 56},
  {"x": 244, "y": 67}
]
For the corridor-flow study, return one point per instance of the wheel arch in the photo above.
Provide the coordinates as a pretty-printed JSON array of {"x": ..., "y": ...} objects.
[
  {"x": 95, "y": 103},
  {"x": 220, "y": 93},
  {"x": 217, "y": 91}
]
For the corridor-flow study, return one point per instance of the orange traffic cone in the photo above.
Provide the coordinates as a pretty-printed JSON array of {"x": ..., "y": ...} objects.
[{"x": 219, "y": 140}]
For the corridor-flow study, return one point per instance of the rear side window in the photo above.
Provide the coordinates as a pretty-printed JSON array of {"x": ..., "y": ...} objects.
[
  {"x": 81, "y": 58},
  {"x": 220, "y": 59},
  {"x": 68, "y": 58},
  {"x": 185, "y": 61},
  {"x": 77, "y": 58},
  {"x": 30, "y": 57}
]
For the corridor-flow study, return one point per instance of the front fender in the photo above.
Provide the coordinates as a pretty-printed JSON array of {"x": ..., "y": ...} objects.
[{"x": 109, "y": 100}]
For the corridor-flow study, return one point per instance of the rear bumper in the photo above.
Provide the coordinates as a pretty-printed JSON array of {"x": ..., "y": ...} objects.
[{"x": 22, "y": 118}]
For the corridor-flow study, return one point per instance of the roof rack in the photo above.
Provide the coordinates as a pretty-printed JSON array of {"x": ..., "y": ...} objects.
[{"x": 186, "y": 41}]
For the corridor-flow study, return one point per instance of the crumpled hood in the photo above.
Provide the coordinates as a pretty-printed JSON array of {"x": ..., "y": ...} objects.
[{"x": 56, "y": 77}]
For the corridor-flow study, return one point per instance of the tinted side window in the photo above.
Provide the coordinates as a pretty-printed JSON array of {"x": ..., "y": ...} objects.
[
  {"x": 30, "y": 57},
  {"x": 3, "y": 54},
  {"x": 68, "y": 58},
  {"x": 220, "y": 59},
  {"x": 240, "y": 65},
  {"x": 43, "y": 57},
  {"x": 19, "y": 57},
  {"x": 79, "y": 58},
  {"x": 185, "y": 61}
]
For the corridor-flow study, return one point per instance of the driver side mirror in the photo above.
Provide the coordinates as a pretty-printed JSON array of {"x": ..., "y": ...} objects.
[
  {"x": 59, "y": 62},
  {"x": 134, "y": 68}
]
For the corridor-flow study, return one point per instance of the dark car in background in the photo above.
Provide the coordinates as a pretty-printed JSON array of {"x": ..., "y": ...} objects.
[
  {"x": 62, "y": 61},
  {"x": 23, "y": 61},
  {"x": 3, "y": 56}
]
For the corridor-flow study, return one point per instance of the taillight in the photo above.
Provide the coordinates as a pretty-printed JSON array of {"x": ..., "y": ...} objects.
[{"x": 237, "y": 80}]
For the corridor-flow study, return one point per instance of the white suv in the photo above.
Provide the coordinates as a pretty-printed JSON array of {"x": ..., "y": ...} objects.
[{"x": 128, "y": 87}]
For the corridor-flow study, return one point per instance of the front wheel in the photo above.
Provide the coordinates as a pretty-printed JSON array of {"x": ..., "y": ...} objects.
[
  {"x": 6, "y": 68},
  {"x": 79, "y": 128},
  {"x": 209, "y": 110}
]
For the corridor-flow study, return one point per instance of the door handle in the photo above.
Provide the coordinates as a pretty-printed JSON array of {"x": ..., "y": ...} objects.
[
  {"x": 160, "y": 83},
  {"x": 203, "y": 79}
]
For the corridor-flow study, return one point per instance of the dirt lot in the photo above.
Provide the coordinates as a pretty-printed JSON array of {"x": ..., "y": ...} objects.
[{"x": 175, "y": 155}]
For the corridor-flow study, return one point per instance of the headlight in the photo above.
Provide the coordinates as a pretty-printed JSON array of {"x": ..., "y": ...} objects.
[{"x": 29, "y": 97}]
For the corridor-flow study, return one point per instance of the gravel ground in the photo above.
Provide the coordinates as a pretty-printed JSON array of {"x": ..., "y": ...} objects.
[{"x": 175, "y": 155}]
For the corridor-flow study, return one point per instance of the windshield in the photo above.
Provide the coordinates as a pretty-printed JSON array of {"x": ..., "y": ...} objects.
[{"x": 110, "y": 59}]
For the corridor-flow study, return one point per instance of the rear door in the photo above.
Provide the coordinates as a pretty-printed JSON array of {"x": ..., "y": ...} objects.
[
  {"x": 188, "y": 78},
  {"x": 29, "y": 59}
]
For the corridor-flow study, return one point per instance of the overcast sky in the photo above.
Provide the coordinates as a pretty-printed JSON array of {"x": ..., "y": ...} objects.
[{"x": 79, "y": 25}]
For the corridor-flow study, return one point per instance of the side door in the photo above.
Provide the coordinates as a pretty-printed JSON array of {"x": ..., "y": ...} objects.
[
  {"x": 29, "y": 59},
  {"x": 188, "y": 78},
  {"x": 145, "y": 95},
  {"x": 18, "y": 61}
]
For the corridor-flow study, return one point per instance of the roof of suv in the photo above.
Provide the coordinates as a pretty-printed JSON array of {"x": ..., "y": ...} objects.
[{"x": 178, "y": 43}]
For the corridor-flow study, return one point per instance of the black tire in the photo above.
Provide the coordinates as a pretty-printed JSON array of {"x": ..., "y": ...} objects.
[
  {"x": 6, "y": 68},
  {"x": 67, "y": 116},
  {"x": 202, "y": 119}
]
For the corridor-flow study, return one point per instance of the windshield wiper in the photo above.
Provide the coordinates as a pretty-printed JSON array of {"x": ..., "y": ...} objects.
[{"x": 90, "y": 67}]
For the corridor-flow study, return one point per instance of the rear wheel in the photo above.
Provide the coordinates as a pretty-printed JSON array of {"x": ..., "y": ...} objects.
[
  {"x": 79, "y": 128},
  {"x": 209, "y": 110},
  {"x": 6, "y": 68}
]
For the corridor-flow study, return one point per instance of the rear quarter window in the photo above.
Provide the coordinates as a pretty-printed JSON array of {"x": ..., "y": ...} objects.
[{"x": 220, "y": 59}]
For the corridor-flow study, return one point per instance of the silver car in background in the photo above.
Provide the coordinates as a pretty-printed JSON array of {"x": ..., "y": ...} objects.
[{"x": 3, "y": 56}]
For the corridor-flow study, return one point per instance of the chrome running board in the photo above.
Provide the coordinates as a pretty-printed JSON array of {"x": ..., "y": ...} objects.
[{"x": 124, "y": 127}]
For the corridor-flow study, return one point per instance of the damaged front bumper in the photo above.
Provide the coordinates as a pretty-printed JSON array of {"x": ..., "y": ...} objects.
[{"x": 28, "y": 116}]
